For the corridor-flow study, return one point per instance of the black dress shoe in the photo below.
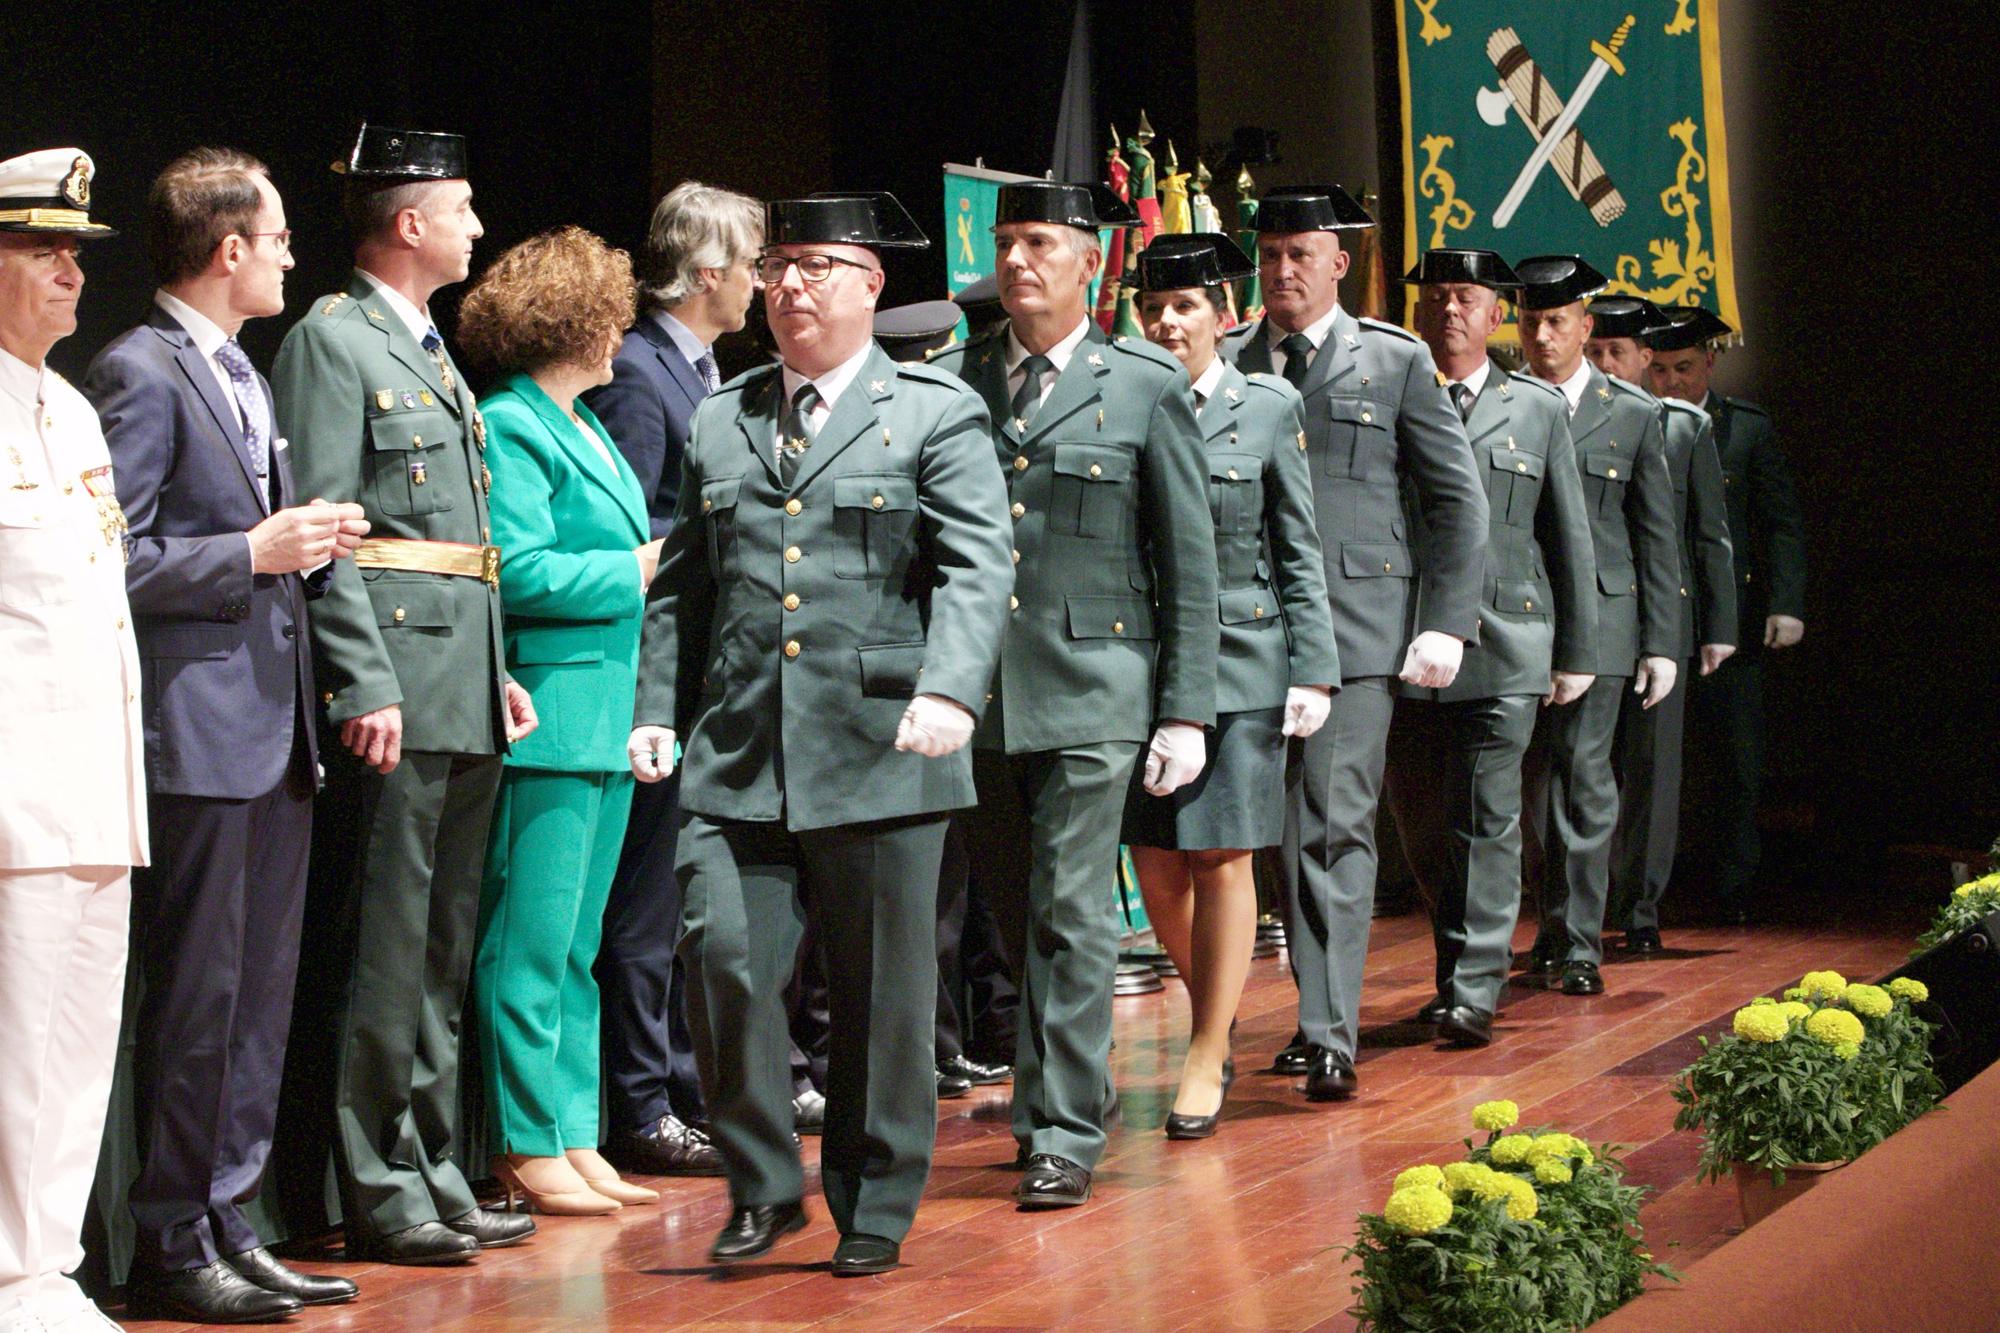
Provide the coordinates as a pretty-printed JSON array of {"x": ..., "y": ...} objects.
[
  {"x": 1291, "y": 1061},
  {"x": 1021, "y": 1155},
  {"x": 1228, "y": 1073},
  {"x": 259, "y": 1266},
  {"x": 212, "y": 1294},
  {"x": 1545, "y": 962},
  {"x": 1329, "y": 1076},
  {"x": 426, "y": 1243},
  {"x": 1053, "y": 1182},
  {"x": 975, "y": 1073},
  {"x": 1642, "y": 940},
  {"x": 754, "y": 1230},
  {"x": 809, "y": 1112},
  {"x": 1433, "y": 1013},
  {"x": 1581, "y": 978},
  {"x": 951, "y": 1085},
  {"x": 493, "y": 1231},
  {"x": 667, "y": 1147},
  {"x": 1462, "y": 1025},
  {"x": 860, "y": 1254}
]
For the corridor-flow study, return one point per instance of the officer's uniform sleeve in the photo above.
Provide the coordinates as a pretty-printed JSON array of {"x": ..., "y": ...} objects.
[
  {"x": 1708, "y": 540},
  {"x": 1437, "y": 457},
  {"x": 537, "y": 578},
  {"x": 1174, "y": 525},
  {"x": 680, "y": 608},
  {"x": 1562, "y": 530},
  {"x": 1298, "y": 561},
  {"x": 1656, "y": 547},
  {"x": 320, "y": 408},
  {"x": 963, "y": 501},
  {"x": 188, "y": 578},
  {"x": 1774, "y": 505}
]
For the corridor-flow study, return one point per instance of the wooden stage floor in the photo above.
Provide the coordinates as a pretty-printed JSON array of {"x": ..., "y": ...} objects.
[{"x": 1241, "y": 1232}]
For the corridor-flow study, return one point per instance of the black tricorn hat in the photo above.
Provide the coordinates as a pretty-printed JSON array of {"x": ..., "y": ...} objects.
[
  {"x": 1548, "y": 281},
  {"x": 907, "y": 332},
  {"x": 1292, "y": 208},
  {"x": 1683, "y": 327},
  {"x": 1085, "y": 206},
  {"x": 1192, "y": 259},
  {"x": 383, "y": 155},
  {"x": 1624, "y": 317},
  {"x": 835, "y": 217},
  {"x": 1483, "y": 268}
]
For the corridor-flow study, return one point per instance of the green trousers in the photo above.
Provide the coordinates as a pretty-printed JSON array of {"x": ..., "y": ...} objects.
[
  {"x": 872, "y": 892},
  {"x": 549, "y": 863}
]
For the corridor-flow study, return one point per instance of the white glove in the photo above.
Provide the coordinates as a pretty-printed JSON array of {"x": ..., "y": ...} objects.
[
  {"x": 651, "y": 751},
  {"x": 1433, "y": 659},
  {"x": 1306, "y": 707},
  {"x": 1655, "y": 679},
  {"x": 934, "y": 726},
  {"x": 1175, "y": 757}
]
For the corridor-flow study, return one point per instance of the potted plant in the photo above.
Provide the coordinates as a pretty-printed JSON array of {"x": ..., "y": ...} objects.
[
  {"x": 1806, "y": 1084},
  {"x": 1969, "y": 904}
]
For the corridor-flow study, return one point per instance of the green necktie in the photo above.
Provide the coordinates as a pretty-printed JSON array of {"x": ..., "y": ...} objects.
[
  {"x": 1028, "y": 397},
  {"x": 798, "y": 431},
  {"x": 1298, "y": 350}
]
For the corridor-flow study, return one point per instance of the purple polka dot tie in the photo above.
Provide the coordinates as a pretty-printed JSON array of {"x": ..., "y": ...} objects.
[{"x": 250, "y": 400}]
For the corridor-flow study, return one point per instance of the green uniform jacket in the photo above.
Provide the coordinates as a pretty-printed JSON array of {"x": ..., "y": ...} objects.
[
  {"x": 1708, "y": 588},
  {"x": 1112, "y": 627},
  {"x": 369, "y": 421},
  {"x": 566, "y": 525},
  {"x": 1376, "y": 419},
  {"x": 1271, "y": 572},
  {"x": 1621, "y": 455},
  {"x": 789, "y": 628},
  {"x": 1540, "y": 611},
  {"x": 1767, "y": 530}
]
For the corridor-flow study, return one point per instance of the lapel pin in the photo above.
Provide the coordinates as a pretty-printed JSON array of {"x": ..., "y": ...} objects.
[
  {"x": 1231, "y": 394},
  {"x": 885, "y": 437},
  {"x": 409, "y": 399},
  {"x": 384, "y": 400},
  {"x": 375, "y": 315},
  {"x": 1100, "y": 418},
  {"x": 1097, "y": 360},
  {"x": 426, "y": 398},
  {"x": 1020, "y": 424},
  {"x": 877, "y": 386}
]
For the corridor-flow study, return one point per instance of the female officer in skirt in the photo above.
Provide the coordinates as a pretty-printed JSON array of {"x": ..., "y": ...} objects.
[{"x": 1277, "y": 668}]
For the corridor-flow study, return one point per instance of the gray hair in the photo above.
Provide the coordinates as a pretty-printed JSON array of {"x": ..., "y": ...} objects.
[
  {"x": 695, "y": 226},
  {"x": 1085, "y": 241}
]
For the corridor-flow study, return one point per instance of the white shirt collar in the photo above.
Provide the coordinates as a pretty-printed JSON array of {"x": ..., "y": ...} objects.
[
  {"x": 1058, "y": 355},
  {"x": 689, "y": 346},
  {"x": 207, "y": 334},
  {"x": 20, "y": 379},
  {"x": 1476, "y": 381},
  {"x": 1316, "y": 332},
  {"x": 418, "y": 322},
  {"x": 832, "y": 384},
  {"x": 1205, "y": 385},
  {"x": 1574, "y": 386}
]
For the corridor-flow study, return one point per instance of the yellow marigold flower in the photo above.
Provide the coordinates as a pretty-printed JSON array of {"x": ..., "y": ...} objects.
[
  {"x": 1823, "y": 985},
  {"x": 1522, "y": 1202},
  {"x": 1553, "y": 1171},
  {"x": 1836, "y": 1028},
  {"x": 1763, "y": 999},
  {"x": 1868, "y": 1001},
  {"x": 1460, "y": 1177},
  {"x": 1492, "y": 1185},
  {"x": 1795, "y": 1011},
  {"x": 1761, "y": 1023},
  {"x": 1417, "y": 1210},
  {"x": 1426, "y": 1176},
  {"x": 1492, "y": 1116},
  {"x": 1847, "y": 1050},
  {"x": 1795, "y": 992},
  {"x": 1909, "y": 988},
  {"x": 1511, "y": 1148}
]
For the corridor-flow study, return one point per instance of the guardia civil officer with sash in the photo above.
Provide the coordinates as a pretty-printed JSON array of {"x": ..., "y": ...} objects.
[
  {"x": 821, "y": 633},
  {"x": 1455, "y": 762},
  {"x": 407, "y": 656},
  {"x": 1620, "y": 454},
  {"x": 1111, "y": 639},
  {"x": 1648, "y": 752},
  {"x": 1377, "y": 421}
]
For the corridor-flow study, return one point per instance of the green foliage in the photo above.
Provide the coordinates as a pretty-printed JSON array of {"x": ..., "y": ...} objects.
[{"x": 1968, "y": 905}]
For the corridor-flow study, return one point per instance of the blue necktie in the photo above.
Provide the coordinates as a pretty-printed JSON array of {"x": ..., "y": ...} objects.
[
  {"x": 250, "y": 401},
  {"x": 711, "y": 377}
]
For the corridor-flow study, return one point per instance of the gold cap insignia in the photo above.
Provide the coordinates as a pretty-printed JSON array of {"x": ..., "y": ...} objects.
[{"x": 76, "y": 185}]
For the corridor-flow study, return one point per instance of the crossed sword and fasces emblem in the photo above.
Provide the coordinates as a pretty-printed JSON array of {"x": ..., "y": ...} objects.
[{"x": 1553, "y": 123}]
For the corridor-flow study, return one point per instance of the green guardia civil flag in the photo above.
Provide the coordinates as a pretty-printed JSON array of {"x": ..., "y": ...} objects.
[{"x": 1590, "y": 127}]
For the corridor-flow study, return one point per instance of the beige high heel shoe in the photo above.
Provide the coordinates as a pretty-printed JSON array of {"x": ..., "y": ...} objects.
[
  {"x": 603, "y": 1177},
  {"x": 549, "y": 1185}
]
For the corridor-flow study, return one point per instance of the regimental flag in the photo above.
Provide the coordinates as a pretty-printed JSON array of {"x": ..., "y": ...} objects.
[
  {"x": 1250, "y": 300},
  {"x": 1207, "y": 217},
  {"x": 1118, "y": 177},
  {"x": 1592, "y": 128},
  {"x": 1145, "y": 197},
  {"x": 1370, "y": 282},
  {"x": 1174, "y": 213}
]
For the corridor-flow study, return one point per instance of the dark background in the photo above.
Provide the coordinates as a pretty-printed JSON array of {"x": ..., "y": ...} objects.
[{"x": 1854, "y": 149}]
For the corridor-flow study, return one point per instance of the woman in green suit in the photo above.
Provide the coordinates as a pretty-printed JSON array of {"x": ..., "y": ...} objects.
[
  {"x": 570, "y": 521},
  {"x": 1274, "y": 678}
]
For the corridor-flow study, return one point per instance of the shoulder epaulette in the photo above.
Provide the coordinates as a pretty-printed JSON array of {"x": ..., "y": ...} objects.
[
  {"x": 1382, "y": 326},
  {"x": 1631, "y": 389},
  {"x": 1145, "y": 351},
  {"x": 332, "y": 304},
  {"x": 1522, "y": 377},
  {"x": 1275, "y": 385},
  {"x": 927, "y": 374},
  {"x": 754, "y": 378},
  {"x": 1682, "y": 405},
  {"x": 1741, "y": 406}
]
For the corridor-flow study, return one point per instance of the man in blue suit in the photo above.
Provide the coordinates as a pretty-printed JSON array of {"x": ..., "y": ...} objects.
[
  {"x": 696, "y": 285},
  {"x": 223, "y": 560}
]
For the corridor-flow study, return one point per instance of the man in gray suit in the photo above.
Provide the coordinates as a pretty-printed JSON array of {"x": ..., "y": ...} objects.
[
  {"x": 1377, "y": 421},
  {"x": 1455, "y": 761}
]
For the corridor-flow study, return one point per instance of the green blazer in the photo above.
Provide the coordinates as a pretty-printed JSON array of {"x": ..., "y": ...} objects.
[
  {"x": 1708, "y": 586},
  {"x": 566, "y": 525},
  {"x": 1767, "y": 529},
  {"x": 1539, "y": 610},
  {"x": 1271, "y": 575},
  {"x": 1113, "y": 624},
  {"x": 369, "y": 421},
  {"x": 1621, "y": 455},
  {"x": 790, "y": 626},
  {"x": 1377, "y": 420}
]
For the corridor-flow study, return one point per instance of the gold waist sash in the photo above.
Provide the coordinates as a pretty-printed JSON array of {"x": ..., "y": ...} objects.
[{"x": 461, "y": 558}]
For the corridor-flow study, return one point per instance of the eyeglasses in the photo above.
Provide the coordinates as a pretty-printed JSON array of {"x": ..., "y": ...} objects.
[
  {"x": 814, "y": 267},
  {"x": 284, "y": 238}
]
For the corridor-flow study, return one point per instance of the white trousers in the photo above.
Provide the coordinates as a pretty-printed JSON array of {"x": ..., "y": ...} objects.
[{"x": 62, "y": 984}]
